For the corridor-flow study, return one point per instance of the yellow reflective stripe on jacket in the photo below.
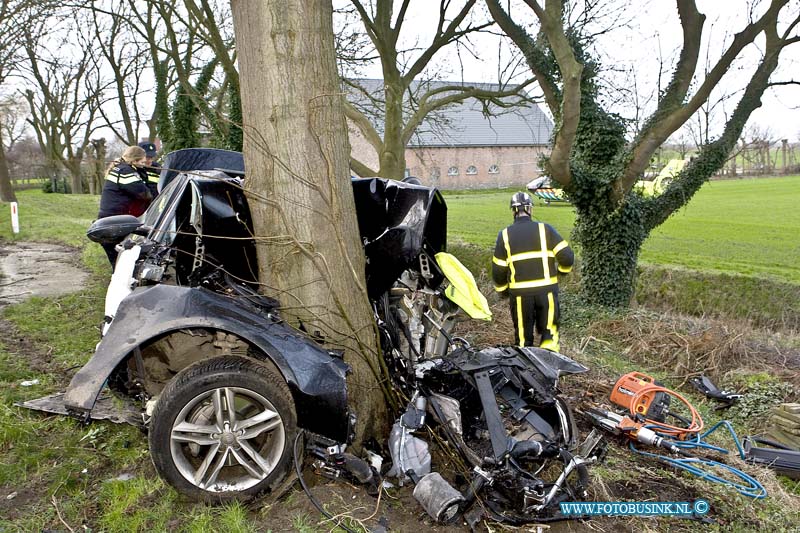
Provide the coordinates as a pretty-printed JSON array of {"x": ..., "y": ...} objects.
[
  {"x": 543, "y": 244},
  {"x": 123, "y": 179},
  {"x": 544, "y": 254},
  {"x": 560, "y": 246},
  {"x": 530, "y": 284},
  {"x": 531, "y": 255},
  {"x": 501, "y": 288},
  {"x": 153, "y": 177},
  {"x": 508, "y": 255},
  {"x": 565, "y": 269},
  {"x": 499, "y": 262}
]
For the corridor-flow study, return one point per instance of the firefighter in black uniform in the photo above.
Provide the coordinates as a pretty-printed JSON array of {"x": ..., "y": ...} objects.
[
  {"x": 527, "y": 258},
  {"x": 152, "y": 167},
  {"x": 125, "y": 191}
]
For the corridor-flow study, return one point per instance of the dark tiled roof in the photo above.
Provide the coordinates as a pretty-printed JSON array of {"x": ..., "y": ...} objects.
[{"x": 464, "y": 123}]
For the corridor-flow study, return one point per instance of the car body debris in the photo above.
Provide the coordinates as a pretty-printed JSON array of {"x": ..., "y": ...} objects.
[{"x": 229, "y": 393}]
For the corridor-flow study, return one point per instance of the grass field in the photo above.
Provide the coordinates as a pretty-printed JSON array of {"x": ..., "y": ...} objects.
[
  {"x": 749, "y": 227},
  {"x": 51, "y": 217}
]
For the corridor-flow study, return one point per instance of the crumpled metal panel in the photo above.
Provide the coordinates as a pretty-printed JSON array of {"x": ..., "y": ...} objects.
[
  {"x": 104, "y": 409},
  {"x": 316, "y": 378},
  {"x": 397, "y": 221},
  {"x": 551, "y": 365}
]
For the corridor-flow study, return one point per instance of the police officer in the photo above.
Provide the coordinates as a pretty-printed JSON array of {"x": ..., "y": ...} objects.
[
  {"x": 125, "y": 190},
  {"x": 527, "y": 258},
  {"x": 152, "y": 167}
]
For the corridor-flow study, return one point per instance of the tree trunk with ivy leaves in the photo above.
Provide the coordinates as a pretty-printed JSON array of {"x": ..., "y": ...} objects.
[
  {"x": 298, "y": 186},
  {"x": 598, "y": 166},
  {"x": 160, "y": 123},
  {"x": 235, "y": 139}
]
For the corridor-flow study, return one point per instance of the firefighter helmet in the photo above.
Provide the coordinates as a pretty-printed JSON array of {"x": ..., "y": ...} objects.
[{"x": 521, "y": 201}]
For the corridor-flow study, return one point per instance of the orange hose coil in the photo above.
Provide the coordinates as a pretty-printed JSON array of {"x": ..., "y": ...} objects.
[{"x": 695, "y": 426}]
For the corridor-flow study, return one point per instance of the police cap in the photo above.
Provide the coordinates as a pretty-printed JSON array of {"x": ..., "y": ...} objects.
[{"x": 149, "y": 149}]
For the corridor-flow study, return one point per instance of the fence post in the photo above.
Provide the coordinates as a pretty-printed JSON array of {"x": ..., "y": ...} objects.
[{"x": 14, "y": 218}]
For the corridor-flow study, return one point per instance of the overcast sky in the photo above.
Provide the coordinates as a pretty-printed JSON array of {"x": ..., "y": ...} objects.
[
  {"x": 647, "y": 35},
  {"x": 651, "y": 36}
]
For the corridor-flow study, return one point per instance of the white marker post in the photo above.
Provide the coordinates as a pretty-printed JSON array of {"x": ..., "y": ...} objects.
[{"x": 14, "y": 218}]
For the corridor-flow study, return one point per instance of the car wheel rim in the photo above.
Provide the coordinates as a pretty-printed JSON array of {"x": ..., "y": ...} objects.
[{"x": 227, "y": 439}]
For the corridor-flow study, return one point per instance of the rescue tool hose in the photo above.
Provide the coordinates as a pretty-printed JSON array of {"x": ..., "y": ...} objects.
[
  {"x": 695, "y": 425},
  {"x": 703, "y": 467}
]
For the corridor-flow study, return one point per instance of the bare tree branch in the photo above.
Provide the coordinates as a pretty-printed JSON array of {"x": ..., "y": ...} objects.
[
  {"x": 428, "y": 104},
  {"x": 671, "y": 118},
  {"x": 786, "y": 82}
]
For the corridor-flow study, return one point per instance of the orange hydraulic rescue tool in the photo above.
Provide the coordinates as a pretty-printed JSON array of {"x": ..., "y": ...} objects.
[
  {"x": 649, "y": 401},
  {"x": 634, "y": 430},
  {"x": 647, "y": 405}
]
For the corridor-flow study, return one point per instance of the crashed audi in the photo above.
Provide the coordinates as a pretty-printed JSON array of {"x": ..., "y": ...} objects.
[{"x": 226, "y": 388}]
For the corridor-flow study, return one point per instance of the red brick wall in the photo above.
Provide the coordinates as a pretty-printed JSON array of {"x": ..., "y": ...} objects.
[{"x": 516, "y": 165}]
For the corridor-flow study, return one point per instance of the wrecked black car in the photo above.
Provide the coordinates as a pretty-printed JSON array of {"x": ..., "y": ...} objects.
[{"x": 225, "y": 386}]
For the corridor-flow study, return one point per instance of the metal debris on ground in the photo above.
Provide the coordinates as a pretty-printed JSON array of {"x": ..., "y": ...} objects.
[
  {"x": 183, "y": 310},
  {"x": 105, "y": 409},
  {"x": 785, "y": 425}
]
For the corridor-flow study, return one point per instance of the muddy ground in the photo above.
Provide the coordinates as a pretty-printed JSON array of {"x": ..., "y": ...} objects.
[{"x": 38, "y": 269}]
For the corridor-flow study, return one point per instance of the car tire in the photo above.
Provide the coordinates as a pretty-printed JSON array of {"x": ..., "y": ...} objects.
[{"x": 211, "y": 452}]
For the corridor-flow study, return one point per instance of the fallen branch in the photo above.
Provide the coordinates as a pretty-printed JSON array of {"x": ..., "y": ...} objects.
[{"x": 58, "y": 512}]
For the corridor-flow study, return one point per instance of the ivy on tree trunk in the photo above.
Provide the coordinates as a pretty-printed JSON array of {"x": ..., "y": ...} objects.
[{"x": 6, "y": 190}]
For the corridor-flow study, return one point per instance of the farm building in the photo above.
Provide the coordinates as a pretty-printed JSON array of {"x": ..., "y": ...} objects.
[{"x": 461, "y": 146}]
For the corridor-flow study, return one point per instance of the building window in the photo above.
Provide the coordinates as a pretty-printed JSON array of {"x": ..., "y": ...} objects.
[
  {"x": 494, "y": 169},
  {"x": 472, "y": 169},
  {"x": 435, "y": 173},
  {"x": 452, "y": 171}
]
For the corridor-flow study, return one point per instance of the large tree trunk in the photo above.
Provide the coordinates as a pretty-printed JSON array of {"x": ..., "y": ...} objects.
[
  {"x": 6, "y": 190},
  {"x": 298, "y": 184},
  {"x": 393, "y": 155}
]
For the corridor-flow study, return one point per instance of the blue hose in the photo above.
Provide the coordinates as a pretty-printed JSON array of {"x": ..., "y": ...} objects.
[{"x": 699, "y": 466}]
